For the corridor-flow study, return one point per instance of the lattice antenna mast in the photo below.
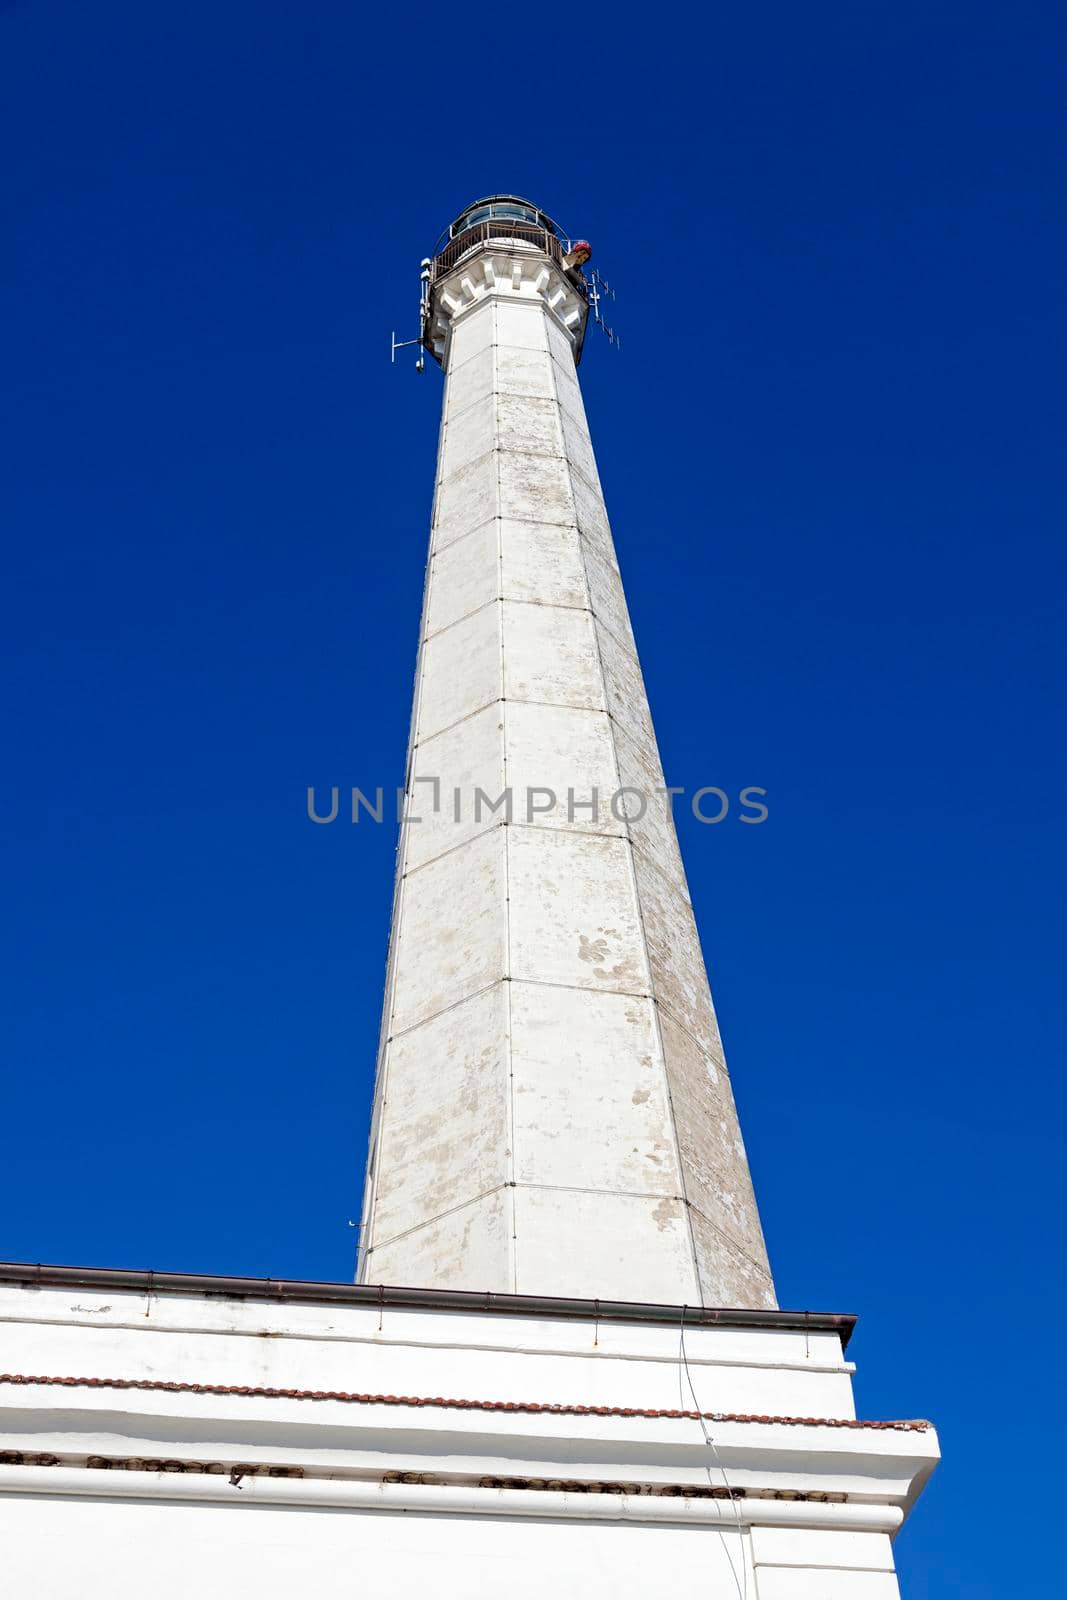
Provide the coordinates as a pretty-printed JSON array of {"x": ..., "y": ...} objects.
[{"x": 600, "y": 289}]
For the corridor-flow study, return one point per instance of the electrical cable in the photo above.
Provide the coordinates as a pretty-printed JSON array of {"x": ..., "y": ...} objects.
[{"x": 683, "y": 1365}]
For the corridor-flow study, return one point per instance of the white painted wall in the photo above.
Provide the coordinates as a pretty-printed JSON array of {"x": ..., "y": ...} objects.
[
  {"x": 410, "y": 1500},
  {"x": 112, "y": 1550}
]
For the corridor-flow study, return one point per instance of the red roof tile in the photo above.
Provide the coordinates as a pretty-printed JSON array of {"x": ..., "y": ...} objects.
[{"x": 263, "y": 1392}]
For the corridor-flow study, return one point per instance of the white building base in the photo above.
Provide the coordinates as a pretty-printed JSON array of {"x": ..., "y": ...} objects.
[{"x": 211, "y": 1437}]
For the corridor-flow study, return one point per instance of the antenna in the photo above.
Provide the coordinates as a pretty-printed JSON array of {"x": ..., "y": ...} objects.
[
  {"x": 599, "y": 288},
  {"x": 402, "y": 344},
  {"x": 424, "y": 309}
]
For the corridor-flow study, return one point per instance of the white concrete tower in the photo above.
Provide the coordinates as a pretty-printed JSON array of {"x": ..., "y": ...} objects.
[
  {"x": 552, "y": 1113},
  {"x": 553, "y": 1129}
]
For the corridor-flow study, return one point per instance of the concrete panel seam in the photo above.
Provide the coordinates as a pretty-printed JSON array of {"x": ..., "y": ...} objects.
[
  {"x": 451, "y": 849},
  {"x": 816, "y": 1566},
  {"x": 462, "y": 1001},
  {"x": 566, "y": 827},
  {"x": 730, "y": 1240},
  {"x": 451, "y": 543},
  {"x": 424, "y": 739},
  {"x": 435, "y": 633},
  {"x": 518, "y": 699},
  {"x": 719, "y": 1058},
  {"x": 505, "y": 450},
  {"x": 622, "y": 1194},
  {"x": 548, "y": 825},
  {"x": 542, "y": 521},
  {"x": 512, "y": 600},
  {"x": 650, "y": 861},
  {"x": 585, "y": 988},
  {"x": 428, "y": 1222}
]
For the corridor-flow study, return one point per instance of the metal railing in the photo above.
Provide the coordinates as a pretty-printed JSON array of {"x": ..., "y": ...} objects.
[{"x": 503, "y": 228}]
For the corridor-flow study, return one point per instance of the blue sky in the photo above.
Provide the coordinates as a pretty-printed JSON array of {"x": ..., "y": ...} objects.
[{"x": 832, "y": 446}]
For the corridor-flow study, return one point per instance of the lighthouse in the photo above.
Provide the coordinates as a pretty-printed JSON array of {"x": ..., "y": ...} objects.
[
  {"x": 553, "y": 1112},
  {"x": 563, "y": 1367}
]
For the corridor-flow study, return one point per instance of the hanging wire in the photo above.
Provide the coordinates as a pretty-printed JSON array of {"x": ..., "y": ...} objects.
[{"x": 683, "y": 1365}]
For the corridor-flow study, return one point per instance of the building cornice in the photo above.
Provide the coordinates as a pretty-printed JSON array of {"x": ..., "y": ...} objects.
[
  {"x": 504, "y": 269},
  {"x": 441, "y": 1498},
  {"x": 464, "y": 1302}
]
